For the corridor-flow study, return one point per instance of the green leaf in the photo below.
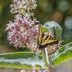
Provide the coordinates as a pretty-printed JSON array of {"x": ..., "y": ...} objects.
[
  {"x": 44, "y": 29},
  {"x": 62, "y": 55},
  {"x": 54, "y": 28},
  {"x": 21, "y": 60}
]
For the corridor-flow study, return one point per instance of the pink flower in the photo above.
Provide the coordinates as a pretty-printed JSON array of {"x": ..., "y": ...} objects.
[
  {"x": 22, "y": 6},
  {"x": 23, "y": 32}
]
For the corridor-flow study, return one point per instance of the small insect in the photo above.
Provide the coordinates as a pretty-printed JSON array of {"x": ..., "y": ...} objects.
[{"x": 46, "y": 40}]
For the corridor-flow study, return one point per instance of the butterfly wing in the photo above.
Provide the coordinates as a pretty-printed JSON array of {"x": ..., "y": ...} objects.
[
  {"x": 44, "y": 39},
  {"x": 48, "y": 40},
  {"x": 40, "y": 35}
]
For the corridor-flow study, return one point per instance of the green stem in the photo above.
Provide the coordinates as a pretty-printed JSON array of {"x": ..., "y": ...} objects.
[
  {"x": 45, "y": 56},
  {"x": 46, "y": 59}
]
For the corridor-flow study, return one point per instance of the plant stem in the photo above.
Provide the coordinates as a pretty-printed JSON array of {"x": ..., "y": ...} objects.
[
  {"x": 45, "y": 56},
  {"x": 46, "y": 59}
]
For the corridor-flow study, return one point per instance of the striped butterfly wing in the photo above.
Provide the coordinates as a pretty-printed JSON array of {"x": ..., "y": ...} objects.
[
  {"x": 48, "y": 40},
  {"x": 44, "y": 39}
]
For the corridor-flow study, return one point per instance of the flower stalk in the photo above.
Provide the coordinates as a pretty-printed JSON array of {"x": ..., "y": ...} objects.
[{"x": 48, "y": 66}]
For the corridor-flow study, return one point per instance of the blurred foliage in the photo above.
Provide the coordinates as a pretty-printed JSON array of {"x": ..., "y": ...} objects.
[{"x": 47, "y": 10}]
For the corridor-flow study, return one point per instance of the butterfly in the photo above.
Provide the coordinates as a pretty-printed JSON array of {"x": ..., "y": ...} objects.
[{"x": 46, "y": 41}]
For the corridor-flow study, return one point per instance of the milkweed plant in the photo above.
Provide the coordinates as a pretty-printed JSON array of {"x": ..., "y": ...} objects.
[{"x": 23, "y": 32}]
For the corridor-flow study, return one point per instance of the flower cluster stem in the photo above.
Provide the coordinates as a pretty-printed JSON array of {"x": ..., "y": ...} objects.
[
  {"x": 46, "y": 59},
  {"x": 45, "y": 56}
]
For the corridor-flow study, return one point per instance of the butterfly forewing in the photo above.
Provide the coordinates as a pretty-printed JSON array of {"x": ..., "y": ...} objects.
[
  {"x": 40, "y": 35},
  {"x": 49, "y": 40}
]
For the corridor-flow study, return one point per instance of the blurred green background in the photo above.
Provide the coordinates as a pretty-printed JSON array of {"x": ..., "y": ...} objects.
[{"x": 47, "y": 10}]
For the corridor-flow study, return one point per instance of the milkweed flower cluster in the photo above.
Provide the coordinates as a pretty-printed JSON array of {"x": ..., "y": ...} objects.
[
  {"x": 23, "y": 6},
  {"x": 23, "y": 32}
]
